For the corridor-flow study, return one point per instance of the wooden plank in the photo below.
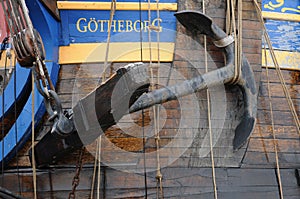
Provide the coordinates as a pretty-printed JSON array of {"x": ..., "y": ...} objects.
[
  {"x": 119, "y": 52},
  {"x": 278, "y": 104},
  {"x": 73, "y": 5},
  {"x": 291, "y": 77},
  {"x": 7, "y": 63},
  {"x": 277, "y": 90},
  {"x": 281, "y": 132},
  {"x": 284, "y": 118},
  {"x": 280, "y": 16},
  {"x": 177, "y": 182},
  {"x": 286, "y": 59},
  {"x": 284, "y": 146},
  {"x": 268, "y": 160}
]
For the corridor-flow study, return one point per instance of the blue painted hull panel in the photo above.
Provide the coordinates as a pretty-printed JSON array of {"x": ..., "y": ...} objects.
[{"x": 21, "y": 131}]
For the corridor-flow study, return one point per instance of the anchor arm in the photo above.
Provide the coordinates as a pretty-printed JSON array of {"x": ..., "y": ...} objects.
[
  {"x": 247, "y": 85},
  {"x": 193, "y": 20}
]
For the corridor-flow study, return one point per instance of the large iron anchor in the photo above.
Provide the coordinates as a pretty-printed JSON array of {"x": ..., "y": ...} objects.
[
  {"x": 97, "y": 107},
  {"x": 193, "y": 20}
]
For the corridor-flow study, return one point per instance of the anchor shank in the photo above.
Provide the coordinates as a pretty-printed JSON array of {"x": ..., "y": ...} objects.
[{"x": 210, "y": 79}]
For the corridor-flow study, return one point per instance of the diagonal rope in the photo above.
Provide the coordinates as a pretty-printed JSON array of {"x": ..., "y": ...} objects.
[
  {"x": 98, "y": 147},
  {"x": 111, "y": 17},
  {"x": 273, "y": 128},
  {"x": 209, "y": 117},
  {"x": 278, "y": 70},
  {"x": 99, "y": 167},
  {"x": 94, "y": 171}
]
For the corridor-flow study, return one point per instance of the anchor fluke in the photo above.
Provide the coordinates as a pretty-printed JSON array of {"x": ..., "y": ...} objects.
[{"x": 193, "y": 20}]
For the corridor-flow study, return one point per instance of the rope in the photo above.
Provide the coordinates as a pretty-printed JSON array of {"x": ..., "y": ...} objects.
[
  {"x": 144, "y": 157},
  {"x": 231, "y": 26},
  {"x": 240, "y": 40},
  {"x": 7, "y": 18},
  {"x": 32, "y": 137},
  {"x": 278, "y": 70},
  {"x": 209, "y": 117},
  {"x": 2, "y": 122},
  {"x": 41, "y": 68},
  {"x": 112, "y": 13},
  {"x": 159, "y": 176},
  {"x": 98, "y": 148},
  {"x": 273, "y": 131},
  {"x": 8, "y": 54},
  {"x": 99, "y": 167},
  {"x": 94, "y": 172},
  {"x": 143, "y": 112}
]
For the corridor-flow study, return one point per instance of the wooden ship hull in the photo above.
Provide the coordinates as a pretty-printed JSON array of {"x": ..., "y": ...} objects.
[{"x": 184, "y": 162}]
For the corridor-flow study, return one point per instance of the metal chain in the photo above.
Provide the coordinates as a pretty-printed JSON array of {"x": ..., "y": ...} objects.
[
  {"x": 18, "y": 20},
  {"x": 76, "y": 178},
  {"x": 21, "y": 28}
]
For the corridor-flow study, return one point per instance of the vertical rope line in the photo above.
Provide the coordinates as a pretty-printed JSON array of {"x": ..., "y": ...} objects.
[
  {"x": 209, "y": 116},
  {"x": 228, "y": 20},
  {"x": 278, "y": 70},
  {"x": 231, "y": 26},
  {"x": 98, "y": 148},
  {"x": 3, "y": 123},
  {"x": 94, "y": 171},
  {"x": 159, "y": 174},
  {"x": 99, "y": 167},
  {"x": 273, "y": 128},
  {"x": 9, "y": 22},
  {"x": 141, "y": 32},
  {"x": 159, "y": 191},
  {"x": 240, "y": 39},
  {"x": 235, "y": 39},
  {"x": 144, "y": 151},
  {"x": 16, "y": 122},
  {"x": 143, "y": 113},
  {"x": 149, "y": 38},
  {"x": 33, "y": 135}
]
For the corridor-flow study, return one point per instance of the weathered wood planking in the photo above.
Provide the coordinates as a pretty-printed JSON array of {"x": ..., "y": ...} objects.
[{"x": 177, "y": 183}]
